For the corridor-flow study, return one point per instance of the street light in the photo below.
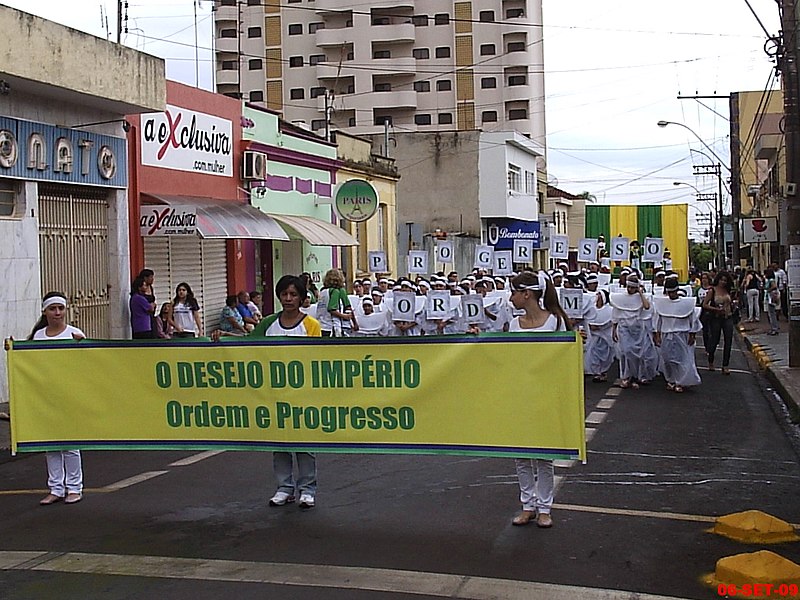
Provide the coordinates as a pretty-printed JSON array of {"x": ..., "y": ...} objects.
[
  {"x": 718, "y": 172},
  {"x": 701, "y": 140}
]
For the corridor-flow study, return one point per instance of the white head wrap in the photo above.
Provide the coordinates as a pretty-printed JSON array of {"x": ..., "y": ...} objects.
[{"x": 54, "y": 300}]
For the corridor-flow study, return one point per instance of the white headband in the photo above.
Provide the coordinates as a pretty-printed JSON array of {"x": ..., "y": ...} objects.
[{"x": 54, "y": 300}]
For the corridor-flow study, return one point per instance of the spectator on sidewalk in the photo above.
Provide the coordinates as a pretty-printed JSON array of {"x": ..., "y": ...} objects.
[
  {"x": 720, "y": 304},
  {"x": 783, "y": 284},
  {"x": 773, "y": 301},
  {"x": 142, "y": 310},
  {"x": 752, "y": 285},
  {"x": 250, "y": 320}
]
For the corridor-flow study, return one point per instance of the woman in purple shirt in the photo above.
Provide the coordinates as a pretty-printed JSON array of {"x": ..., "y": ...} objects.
[{"x": 142, "y": 310}]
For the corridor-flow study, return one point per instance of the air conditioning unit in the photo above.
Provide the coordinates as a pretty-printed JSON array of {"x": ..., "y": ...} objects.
[{"x": 255, "y": 165}]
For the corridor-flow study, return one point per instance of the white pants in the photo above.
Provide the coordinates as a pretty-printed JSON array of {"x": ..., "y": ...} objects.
[
  {"x": 753, "y": 308},
  {"x": 64, "y": 473},
  {"x": 535, "y": 484}
]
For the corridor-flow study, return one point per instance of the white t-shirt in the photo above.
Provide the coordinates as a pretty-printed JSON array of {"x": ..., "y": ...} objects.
[
  {"x": 298, "y": 330},
  {"x": 551, "y": 324},
  {"x": 183, "y": 316},
  {"x": 67, "y": 334}
]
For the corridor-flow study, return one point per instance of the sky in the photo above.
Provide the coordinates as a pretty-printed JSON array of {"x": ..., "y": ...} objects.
[{"x": 613, "y": 70}]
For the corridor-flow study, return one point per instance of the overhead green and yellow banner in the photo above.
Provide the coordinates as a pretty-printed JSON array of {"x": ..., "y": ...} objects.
[
  {"x": 481, "y": 396},
  {"x": 637, "y": 222}
]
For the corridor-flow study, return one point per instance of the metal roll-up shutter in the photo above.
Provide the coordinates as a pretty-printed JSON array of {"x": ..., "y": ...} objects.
[
  {"x": 215, "y": 283},
  {"x": 156, "y": 258}
]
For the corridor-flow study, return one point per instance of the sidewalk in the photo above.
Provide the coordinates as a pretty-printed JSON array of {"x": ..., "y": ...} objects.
[{"x": 772, "y": 353}]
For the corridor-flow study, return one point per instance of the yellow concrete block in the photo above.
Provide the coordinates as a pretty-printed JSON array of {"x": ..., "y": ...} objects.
[
  {"x": 757, "y": 567},
  {"x": 755, "y": 527}
]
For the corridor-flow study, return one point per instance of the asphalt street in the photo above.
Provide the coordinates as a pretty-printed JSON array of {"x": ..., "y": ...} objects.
[{"x": 197, "y": 525}]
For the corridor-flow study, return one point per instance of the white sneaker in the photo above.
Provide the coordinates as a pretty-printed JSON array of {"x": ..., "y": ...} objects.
[
  {"x": 306, "y": 501},
  {"x": 281, "y": 498}
]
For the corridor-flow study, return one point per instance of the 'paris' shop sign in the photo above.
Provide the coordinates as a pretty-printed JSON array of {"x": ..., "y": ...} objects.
[{"x": 186, "y": 140}]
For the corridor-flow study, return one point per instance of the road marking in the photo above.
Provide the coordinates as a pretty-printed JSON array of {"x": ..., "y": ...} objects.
[
  {"x": 564, "y": 464},
  {"x": 590, "y": 434},
  {"x": 133, "y": 480},
  {"x": 614, "y": 391},
  {"x": 443, "y": 585},
  {"x": 195, "y": 458},
  {"x": 595, "y": 418},
  {"x": 606, "y": 403}
]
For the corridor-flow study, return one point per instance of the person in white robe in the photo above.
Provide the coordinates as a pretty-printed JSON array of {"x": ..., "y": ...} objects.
[
  {"x": 676, "y": 323},
  {"x": 371, "y": 323},
  {"x": 630, "y": 331},
  {"x": 600, "y": 350}
]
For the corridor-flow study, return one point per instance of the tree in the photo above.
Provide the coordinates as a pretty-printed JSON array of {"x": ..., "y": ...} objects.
[{"x": 701, "y": 255}]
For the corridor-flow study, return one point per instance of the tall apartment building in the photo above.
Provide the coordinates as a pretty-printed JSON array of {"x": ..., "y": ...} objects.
[{"x": 424, "y": 65}]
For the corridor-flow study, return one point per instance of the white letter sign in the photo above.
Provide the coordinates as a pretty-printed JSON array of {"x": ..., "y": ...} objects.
[
  {"x": 472, "y": 307},
  {"x": 587, "y": 250},
  {"x": 620, "y": 248},
  {"x": 403, "y": 309},
  {"x": 653, "y": 250},
  {"x": 444, "y": 252},
  {"x": 572, "y": 302},
  {"x": 418, "y": 261},
  {"x": 559, "y": 246},
  {"x": 438, "y": 304},
  {"x": 502, "y": 263},
  {"x": 377, "y": 262},
  {"x": 484, "y": 257},
  {"x": 523, "y": 251}
]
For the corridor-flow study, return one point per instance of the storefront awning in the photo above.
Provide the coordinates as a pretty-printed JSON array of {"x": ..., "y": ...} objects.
[
  {"x": 217, "y": 219},
  {"x": 315, "y": 231}
]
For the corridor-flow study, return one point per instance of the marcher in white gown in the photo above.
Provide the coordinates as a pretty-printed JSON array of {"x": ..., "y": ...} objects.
[
  {"x": 631, "y": 332},
  {"x": 600, "y": 349},
  {"x": 676, "y": 323}
]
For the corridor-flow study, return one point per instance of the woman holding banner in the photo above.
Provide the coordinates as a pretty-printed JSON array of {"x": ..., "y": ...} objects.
[
  {"x": 291, "y": 322},
  {"x": 64, "y": 471},
  {"x": 535, "y": 294}
]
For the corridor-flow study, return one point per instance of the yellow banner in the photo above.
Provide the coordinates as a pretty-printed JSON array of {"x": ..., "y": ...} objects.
[{"x": 508, "y": 395}]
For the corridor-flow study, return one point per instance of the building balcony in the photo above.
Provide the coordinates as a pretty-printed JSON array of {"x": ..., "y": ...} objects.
[
  {"x": 227, "y": 77},
  {"x": 401, "y": 99},
  {"x": 393, "y": 33},
  {"x": 517, "y": 59},
  {"x": 517, "y": 92},
  {"x": 334, "y": 38},
  {"x": 402, "y": 65},
  {"x": 767, "y": 145},
  {"x": 227, "y": 13},
  {"x": 227, "y": 45},
  {"x": 331, "y": 70},
  {"x": 337, "y": 6}
]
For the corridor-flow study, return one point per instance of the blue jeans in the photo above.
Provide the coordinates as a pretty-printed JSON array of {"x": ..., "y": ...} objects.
[{"x": 306, "y": 472}]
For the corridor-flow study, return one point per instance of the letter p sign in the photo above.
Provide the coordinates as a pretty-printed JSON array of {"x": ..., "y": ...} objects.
[{"x": 377, "y": 262}]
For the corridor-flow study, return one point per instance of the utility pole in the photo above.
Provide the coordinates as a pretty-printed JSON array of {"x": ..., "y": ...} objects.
[
  {"x": 119, "y": 22},
  {"x": 787, "y": 62},
  {"x": 716, "y": 170}
]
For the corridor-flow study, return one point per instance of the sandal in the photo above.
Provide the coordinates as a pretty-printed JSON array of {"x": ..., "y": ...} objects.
[
  {"x": 50, "y": 499},
  {"x": 726, "y": 371},
  {"x": 597, "y": 379},
  {"x": 634, "y": 385},
  {"x": 624, "y": 384},
  {"x": 670, "y": 387},
  {"x": 679, "y": 389},
  {"x": 524, "y": 518}
]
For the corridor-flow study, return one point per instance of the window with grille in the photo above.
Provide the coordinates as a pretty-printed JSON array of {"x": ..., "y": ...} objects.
[
  {"x": 422, "y": 119},
  {"x": 295, "y": 61},
  {"x": 227, "y": 33},
  {"x": 517, "y": 80},
  {"x": 254, "y": 32},
  {"x": 517, "y": 114},
  {"x": 422, "y": 86},
  {"x": 8, "y": 197},
  {"x": 230, "y": 65},
  {"x": 421, "y": 53},
  {"x": 488, "y": 83},
  {"x": 256, "y": 96},
  {"x": 441, "y": 19},
  {"x": 420, "y": 20},
  {"x": 317, "y": 124},
  {"x": 486, "y": 16},
  {"x": 445, "y": 118},
  {"x": 488, "y": 50},
  {"x": 316, "y": 92},
  {"x": 443, "y": 52},
  {"x": 315, "y": 59},
  {"x": 489, "y": 116},
  {"x": 255, "y": 64},
  {"x": 296, "y": 29},
  {"x": 444, "y": 85},
  {"x": 516, "y": 46},
  {"x": 297, "y": 93},
  {"x": 314, "y": 27}
]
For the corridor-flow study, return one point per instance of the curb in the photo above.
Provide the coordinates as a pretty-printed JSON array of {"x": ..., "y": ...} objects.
[{"x": 774, "y": 376}]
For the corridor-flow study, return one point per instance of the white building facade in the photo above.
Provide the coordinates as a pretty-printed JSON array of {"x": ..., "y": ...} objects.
[{"x": 422, "y": 66}]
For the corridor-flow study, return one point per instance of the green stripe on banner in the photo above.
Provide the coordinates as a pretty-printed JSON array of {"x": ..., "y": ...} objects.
[
  {"x": 598, "y": 221},
  {"x": 649, "y": 222}
]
